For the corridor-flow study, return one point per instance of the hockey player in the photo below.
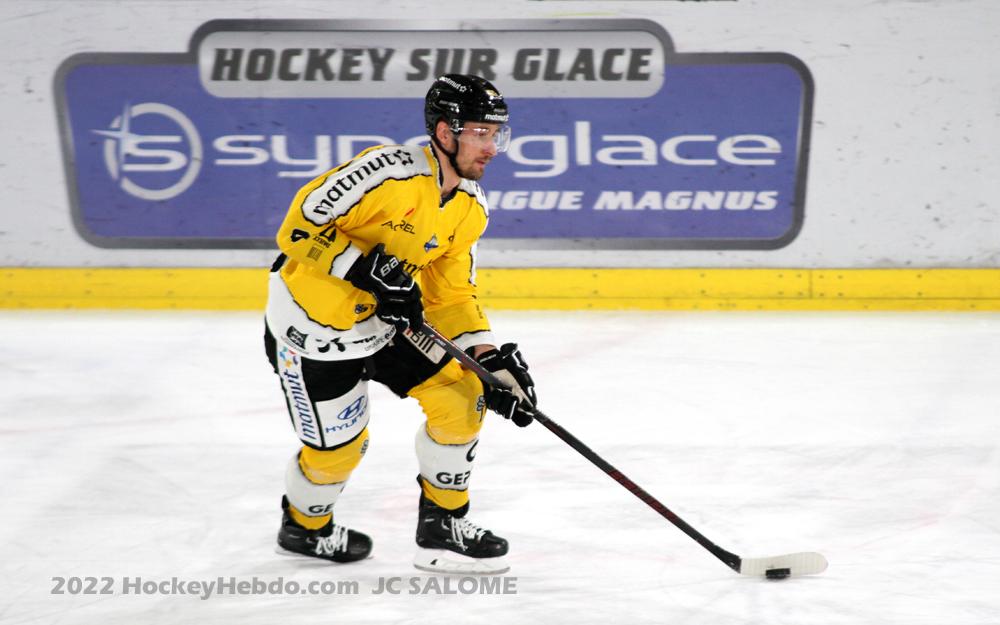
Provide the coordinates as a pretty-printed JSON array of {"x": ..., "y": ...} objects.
[{"x": 369, "y": 250}]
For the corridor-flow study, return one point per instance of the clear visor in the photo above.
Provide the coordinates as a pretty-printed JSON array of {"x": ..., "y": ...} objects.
[{"x": 483, "y": 137}]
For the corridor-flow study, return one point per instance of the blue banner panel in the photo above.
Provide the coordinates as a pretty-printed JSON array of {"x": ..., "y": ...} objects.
[{"x": 715, "y": 157}]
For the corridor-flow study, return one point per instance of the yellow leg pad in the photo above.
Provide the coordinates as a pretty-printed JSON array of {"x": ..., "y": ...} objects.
[
  {"x": 334, "y": 465},
  {"x": 309, "y": 522},
  {"x": 449, "y": 499},
  {"x": 452, "y": 399}
]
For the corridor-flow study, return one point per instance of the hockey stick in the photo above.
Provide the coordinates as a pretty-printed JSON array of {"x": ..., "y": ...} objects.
[{"x": 775, "y": 567}]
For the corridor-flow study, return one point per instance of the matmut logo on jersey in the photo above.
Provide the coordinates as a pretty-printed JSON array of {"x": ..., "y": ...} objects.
[{"x": 619, "y": 141}]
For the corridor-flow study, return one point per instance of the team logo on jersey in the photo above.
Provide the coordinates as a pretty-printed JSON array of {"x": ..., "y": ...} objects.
[
  {"x": 433, "y": 243},
  {"x": 149, "y": 145}
]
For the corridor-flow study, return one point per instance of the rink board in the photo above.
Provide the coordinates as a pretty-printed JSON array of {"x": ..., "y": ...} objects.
[{"x": 536, "y": 289}]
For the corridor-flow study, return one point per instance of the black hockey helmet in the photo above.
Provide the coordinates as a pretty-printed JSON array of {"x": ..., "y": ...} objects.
[{"x": 458, "y": 98}]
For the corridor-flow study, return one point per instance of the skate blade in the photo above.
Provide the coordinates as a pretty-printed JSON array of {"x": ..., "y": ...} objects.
[
  {"x": 449, "y": 562},
  {"x": 281, "y": 551}
]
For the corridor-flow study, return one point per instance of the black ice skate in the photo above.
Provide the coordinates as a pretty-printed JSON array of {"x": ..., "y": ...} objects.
[
  {"x": 447, "y": 542},
  {"x": 332, "y": 542}
]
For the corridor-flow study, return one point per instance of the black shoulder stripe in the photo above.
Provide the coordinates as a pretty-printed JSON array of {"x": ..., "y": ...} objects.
[
  {"x": 475, "y": 198},
  {"x": 309, "y": 317},
  {"x": 470, "y": 333}
]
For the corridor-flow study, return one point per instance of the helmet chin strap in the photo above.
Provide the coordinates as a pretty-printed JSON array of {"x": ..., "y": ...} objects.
[{"x": 452, "y": 156}]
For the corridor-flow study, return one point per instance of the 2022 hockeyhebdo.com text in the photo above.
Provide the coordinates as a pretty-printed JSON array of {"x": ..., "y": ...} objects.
[{"x": 255, "y": 586}]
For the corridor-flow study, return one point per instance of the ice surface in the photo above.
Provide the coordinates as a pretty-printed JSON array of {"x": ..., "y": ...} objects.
[{"x": 153, "y": 446}]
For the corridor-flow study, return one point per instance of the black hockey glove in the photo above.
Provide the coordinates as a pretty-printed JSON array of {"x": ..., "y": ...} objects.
[
  {"x": 397, "y": 296},
  {"x": 517, "y": 401}
]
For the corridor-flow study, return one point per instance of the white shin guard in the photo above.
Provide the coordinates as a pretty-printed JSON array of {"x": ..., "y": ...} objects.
[
  {"x": 444, "y": 466},
  {"x": 308, "y": 497}
]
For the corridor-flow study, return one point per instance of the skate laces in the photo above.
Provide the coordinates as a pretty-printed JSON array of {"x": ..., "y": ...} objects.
[
  {"x": 462, "y": 528},
  {"x": 336, "y": 541}
]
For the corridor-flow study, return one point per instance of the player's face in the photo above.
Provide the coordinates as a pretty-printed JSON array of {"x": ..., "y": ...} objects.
[{"x": 478, "y": 143}]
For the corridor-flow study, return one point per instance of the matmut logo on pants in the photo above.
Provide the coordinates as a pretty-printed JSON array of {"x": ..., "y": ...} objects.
[{"x": 299, "y": 404}]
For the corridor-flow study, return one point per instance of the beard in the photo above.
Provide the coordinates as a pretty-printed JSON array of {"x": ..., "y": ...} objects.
[
  {"x": 470, "y": 174},
  {"x": 470, "y": 171}
]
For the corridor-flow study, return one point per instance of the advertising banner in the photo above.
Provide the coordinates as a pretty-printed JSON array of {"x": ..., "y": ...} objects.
[{"x": 618, "y": 140}]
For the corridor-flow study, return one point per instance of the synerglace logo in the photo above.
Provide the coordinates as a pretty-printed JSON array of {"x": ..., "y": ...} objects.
[{"x": 126, "y": 151}]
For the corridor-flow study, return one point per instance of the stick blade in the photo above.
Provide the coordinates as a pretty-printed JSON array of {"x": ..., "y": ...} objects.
[{"x": 804, "y": 563}]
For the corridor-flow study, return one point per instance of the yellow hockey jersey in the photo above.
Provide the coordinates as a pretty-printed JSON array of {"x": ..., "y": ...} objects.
[{"x": 391, "y": 195}]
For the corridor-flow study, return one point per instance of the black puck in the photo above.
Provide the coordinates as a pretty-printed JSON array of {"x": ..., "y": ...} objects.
[{"x": 777, "y": 573}]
